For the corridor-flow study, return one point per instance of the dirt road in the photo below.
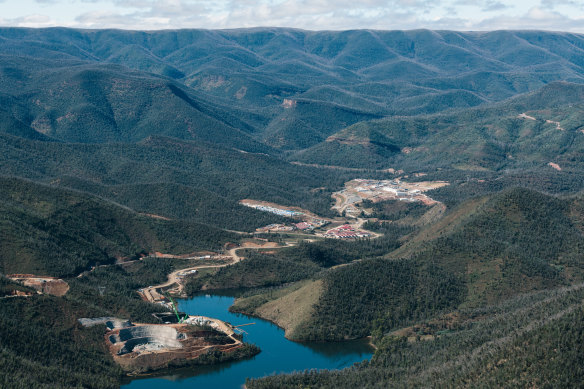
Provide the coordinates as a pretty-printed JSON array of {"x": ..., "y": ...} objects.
[{"x": 153, "y": 295}]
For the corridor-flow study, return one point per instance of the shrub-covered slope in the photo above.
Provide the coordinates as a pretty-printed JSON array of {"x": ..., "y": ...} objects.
[
  {"x": 52, "y": 231},
  {"x": 529, "y": 130}
]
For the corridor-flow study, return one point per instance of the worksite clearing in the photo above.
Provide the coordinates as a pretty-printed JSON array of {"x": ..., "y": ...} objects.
[
  {"x": 348, "y": 199},
  {"x": 308, "y": 222},
  {"x": 180, "y": 338},
  {"x": 48, "y": 285},
  {"x": 292, "y": 212},
  {"x": 347, "y": 204},
  {"x": 139, "y": 348}
]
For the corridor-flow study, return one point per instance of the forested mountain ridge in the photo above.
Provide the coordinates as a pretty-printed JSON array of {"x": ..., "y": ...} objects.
[
  {"x": 209, "y": 180},
  {"x": 528, "y": 130},
  {"x": 57, "y": 232},
  {"x": 100, "y": 103},
  {"x": 531, "y": 340},
  {"x": 268, "y": 81}
]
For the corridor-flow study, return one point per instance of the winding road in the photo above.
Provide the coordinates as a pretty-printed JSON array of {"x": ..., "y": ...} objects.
[{"x": 153, "y": 295}]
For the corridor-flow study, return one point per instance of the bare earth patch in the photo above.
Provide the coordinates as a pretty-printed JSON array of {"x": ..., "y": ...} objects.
[{"x": 49, "y": 285}]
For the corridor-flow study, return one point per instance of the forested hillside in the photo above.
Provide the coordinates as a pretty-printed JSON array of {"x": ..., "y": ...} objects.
[
  {"x": 492, "y": 249},
  {"x": 263, "y": 82},
  {"x": 524, "y": 132},
  {"x": 173, "y": 178},
  {"x": 51, "y": 231},
  {"x": 527, "y": 341}
]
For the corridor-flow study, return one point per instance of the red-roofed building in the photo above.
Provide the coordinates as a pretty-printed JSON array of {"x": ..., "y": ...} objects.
[{"x": 303, "y": 226}]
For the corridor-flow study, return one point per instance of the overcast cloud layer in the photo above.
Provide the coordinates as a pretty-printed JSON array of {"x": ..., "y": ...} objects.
[{"x": 558, "y": 15}]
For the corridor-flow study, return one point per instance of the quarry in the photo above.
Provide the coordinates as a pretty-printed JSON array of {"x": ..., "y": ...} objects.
[{"x": 139, "y": 348}]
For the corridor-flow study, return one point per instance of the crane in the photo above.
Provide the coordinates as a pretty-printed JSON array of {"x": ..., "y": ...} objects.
[{"x": 178, "y": 318}]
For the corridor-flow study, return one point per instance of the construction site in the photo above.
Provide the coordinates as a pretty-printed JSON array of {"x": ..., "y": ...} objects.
[
  {"x": 178, "y": 339},
  {"x": 356, "y": 191},
  {"x": 48, "y": 285},
  {"x": 347, "y": 231},
  {"x": 139, "y": 348},
  {"x": 307, "y": 222},
  {"x": 299, "y": 214}
]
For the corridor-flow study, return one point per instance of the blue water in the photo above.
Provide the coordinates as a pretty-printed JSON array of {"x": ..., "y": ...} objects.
[{"x": 278, "y": 355}]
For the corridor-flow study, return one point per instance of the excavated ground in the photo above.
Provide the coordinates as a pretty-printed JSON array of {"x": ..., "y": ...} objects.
[
  {"x": 48, "y": 285},
  {"x": 146, "y": 347}
]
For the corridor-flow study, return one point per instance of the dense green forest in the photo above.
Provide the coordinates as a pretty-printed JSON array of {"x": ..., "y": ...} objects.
[
  {"x": 51, "y": 231},
  {"x": 531, "y": 340},
  {"x": 493, "y": 138}
]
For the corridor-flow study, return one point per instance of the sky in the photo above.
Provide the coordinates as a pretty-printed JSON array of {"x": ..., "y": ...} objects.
[{"x": 462, "y": 15}]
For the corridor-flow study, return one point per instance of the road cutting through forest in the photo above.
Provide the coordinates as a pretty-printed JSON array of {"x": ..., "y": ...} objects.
[{"x": 153, "y": 293}]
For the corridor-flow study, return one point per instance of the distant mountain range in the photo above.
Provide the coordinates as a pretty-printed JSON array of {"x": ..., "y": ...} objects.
[{"x": 258, "y": 89}]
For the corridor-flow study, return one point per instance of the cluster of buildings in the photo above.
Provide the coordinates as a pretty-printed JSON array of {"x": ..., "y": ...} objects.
[
  {"x": 372, "y": 188},
  {"x": 346, "y": 231},
  {"x": 276, "y": 228},
  {"x": 302, "y": 226},
  {"x": 277, "y": 211}
]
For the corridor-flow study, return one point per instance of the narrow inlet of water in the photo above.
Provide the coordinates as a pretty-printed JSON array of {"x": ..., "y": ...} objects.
[{"x": 278, "y": 355}]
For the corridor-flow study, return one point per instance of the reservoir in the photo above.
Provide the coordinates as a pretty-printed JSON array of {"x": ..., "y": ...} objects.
[{"x": 278, "y": 355}]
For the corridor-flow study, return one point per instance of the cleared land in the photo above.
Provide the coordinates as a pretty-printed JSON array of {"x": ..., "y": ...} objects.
[
  {"x": 286, "y": 211},
  {"x": 358, "y": 190},
  {"x": 342, "y": 227},
  {"x": 48, "y": 285},
  {"x": 144, "y": 347},
  {"x": 139, "y": 348}
]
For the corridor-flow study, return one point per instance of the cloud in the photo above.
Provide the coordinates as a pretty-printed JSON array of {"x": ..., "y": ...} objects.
[
  {"x": 310, "y": 14},
  {"x": 553, "y": 4},
  {"x": 535, "y": 19},
  {"x": 480, "y": 6},
  {"x": 33, "y": 21},
  {"x": 491, "y": 6}
]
